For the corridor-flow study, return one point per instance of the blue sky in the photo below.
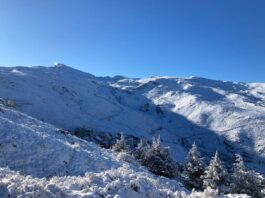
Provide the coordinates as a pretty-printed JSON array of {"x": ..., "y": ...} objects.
[{"x": 138, "y": 38}]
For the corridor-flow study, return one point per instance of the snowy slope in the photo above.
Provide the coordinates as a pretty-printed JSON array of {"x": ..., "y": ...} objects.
[
  {"x": 55, "y": 164},
  {"x": 41, "y": 150},
  {"x": 46, "y": 163},
  {"x": 119, "y": 183},
  {"x": 219, "y": 115},
  {"x": 228, "y": 115}
]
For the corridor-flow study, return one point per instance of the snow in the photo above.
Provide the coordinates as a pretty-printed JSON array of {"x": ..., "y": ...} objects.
[
  {"x": 37, "y": 102},
  {"x": 53, "y": 164},
  {"x": 26, "y": 143},
  {"x": 122, "y": 182},
  {"x": 204, "y": 110},
  {"x": 195, "y": 109}
]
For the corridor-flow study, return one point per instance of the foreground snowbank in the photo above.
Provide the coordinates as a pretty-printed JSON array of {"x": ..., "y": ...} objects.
[{"x": 121, "y": 182}]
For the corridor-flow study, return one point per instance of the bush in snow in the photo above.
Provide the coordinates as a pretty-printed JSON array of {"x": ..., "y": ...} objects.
[
  {"x": 207, "y": 193},
  {"x": 157, "y": 159},
  {"x": 141, "y": 150},
  {"x": 120, "y": 182},
  {"x": 193, "y": 169},
  {"x": 215, "y": 175},
  {"x": 120, "y": 144},
  {"x": 244, "y": 180}
]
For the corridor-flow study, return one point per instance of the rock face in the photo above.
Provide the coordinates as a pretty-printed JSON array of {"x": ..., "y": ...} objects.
[{"x": 227, "y": 116}]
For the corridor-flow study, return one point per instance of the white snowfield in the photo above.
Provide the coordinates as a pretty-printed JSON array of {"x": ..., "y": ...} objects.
[{"x": 37, "y": 101}]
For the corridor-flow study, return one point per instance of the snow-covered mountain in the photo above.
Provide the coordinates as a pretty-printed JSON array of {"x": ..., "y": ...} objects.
[
  {"x": 40, "y": 105},
  {"x": 227, "y": 116}
]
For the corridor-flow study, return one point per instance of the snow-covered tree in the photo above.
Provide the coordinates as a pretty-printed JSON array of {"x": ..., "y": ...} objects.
[
  {"x": 141, "y": 150},
  {"x": 215, "y": 175},
  {"x": 193, "y": 169},
  {"x": 257, "y": 187},
  {"x": 244, "y": 180},
  {"x": 158, "y": 160},
  {"x": 239, "y": 176},
  {"x": 120, "y": 144}
]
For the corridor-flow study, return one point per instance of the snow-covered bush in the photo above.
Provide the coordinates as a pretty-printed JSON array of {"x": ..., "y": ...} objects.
[
  {"x": 155, "y": 157},
  {"x": 120, "y": 144},
  {"x": 193, "y": 169},
  {"x": 120, "y": 182},
  {"x": 207, "y": 193},
  {"x": 141, "y": 150},
  {"x": 212, "y": 193}
]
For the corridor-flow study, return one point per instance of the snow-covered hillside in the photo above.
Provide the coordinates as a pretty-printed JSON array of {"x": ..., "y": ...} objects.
[
  {"x": 38, "y": 105},
  {"x": 39, "y": 150},
  {"x": 227, "y": 116},
  {"x": 46, "y": 162}
]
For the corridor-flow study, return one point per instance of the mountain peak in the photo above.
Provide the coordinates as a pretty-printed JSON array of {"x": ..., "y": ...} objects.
[{"x": 59, "y": 64}]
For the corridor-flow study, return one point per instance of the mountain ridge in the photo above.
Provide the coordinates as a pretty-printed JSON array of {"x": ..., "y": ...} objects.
[{"x": 181, "y": 110}]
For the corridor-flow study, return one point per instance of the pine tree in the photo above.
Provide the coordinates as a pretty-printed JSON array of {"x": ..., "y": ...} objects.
[
  {"x": 215, "y": 175},
  {"x": 244, "y": 180},
  {"x": 239, "y": 176},
  {"x": 120, "y": 144},
  {"x": 141, "y": 150},
  {"x": 158, "y": 160},
  {"x": 193, "y": 169}
]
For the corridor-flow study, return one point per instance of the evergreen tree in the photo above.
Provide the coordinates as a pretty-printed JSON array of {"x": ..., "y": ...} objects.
[
  {"x": 239, "y": 176},
  {"x": 215, "y": 175},
  {"x": 120, "y": 144},
  {"x": 158, "y": 160},
  {"x": 193, "y": 169},
  {"x": 141, "y": 150},
  {"x": 245, "y": 181}
]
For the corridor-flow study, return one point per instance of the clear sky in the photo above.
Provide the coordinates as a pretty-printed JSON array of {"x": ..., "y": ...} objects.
[{"x": 218, "y": 39}]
